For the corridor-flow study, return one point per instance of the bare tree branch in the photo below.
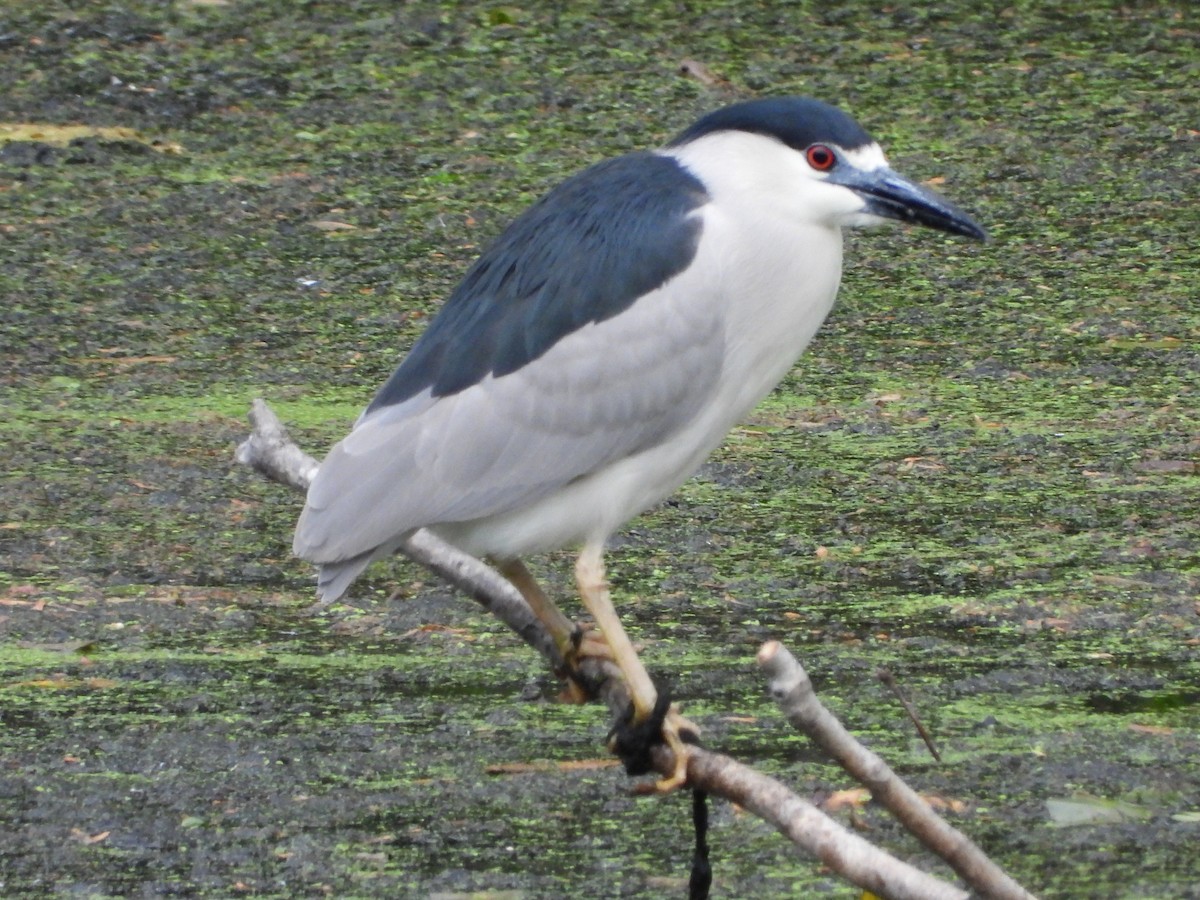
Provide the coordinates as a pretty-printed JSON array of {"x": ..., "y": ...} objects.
[
  {"x": 271, "y": 451},
  {"x": 793, "y": 691},
  {"x": 808, "y": 828}
]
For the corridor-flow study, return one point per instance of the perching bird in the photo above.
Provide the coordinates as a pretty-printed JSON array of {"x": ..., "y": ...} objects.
[{"x": 603, "y": 346}]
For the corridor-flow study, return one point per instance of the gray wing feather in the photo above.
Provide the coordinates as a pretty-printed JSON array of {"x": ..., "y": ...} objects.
[{"x": 603, "y": 393}]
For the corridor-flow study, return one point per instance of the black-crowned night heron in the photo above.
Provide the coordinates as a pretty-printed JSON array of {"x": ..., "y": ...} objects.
[{"x": 603, "y": 346}]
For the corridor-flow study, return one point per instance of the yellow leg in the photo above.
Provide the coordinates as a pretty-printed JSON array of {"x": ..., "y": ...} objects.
[
  {"x": 571, "y": 646},
  {"x": 560, "y": 627},
  {"x": 594, "y": 588}
]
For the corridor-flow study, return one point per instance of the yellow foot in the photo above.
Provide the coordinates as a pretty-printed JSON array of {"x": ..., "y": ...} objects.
[
  {"x": 674, "y": 727},
  {"x": 633, "y": 739},
  {"x": 584, "y": 644},
  {"x": 587, "y": 643}
]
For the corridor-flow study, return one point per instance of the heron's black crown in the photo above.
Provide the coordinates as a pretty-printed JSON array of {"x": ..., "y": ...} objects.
[{"x": 798, "y": 122}]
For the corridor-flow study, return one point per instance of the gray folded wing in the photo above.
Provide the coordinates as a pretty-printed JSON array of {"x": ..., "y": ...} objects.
[
  {"x": 582, "y": 336},
  {"x": 602, "y": 394}
]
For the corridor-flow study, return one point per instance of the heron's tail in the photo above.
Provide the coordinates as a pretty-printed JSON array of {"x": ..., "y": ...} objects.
[{"x": 333, "y": 579}]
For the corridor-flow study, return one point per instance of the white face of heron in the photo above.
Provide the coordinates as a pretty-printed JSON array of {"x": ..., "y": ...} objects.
[
  {"x": 740, "y": 167},
  {"x": 863, "y": 159}
]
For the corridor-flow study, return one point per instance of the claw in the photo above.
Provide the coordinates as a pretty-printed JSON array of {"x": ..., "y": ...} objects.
[
  {"x": 674, "y": 729},
  {"x": 587, "y": 644},
  {"x": 634, "y": 736},
  {"x": 583, "y": 644}
]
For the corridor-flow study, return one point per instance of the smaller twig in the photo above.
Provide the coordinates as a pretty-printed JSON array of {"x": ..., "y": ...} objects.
[
  {"x": 485, "y": 586},
  {"x": 270, "y": 450},
  {"x": 889, "y": 681},
  {"x": 854, "y": 858},
  {"x": 793, "y": 691},
  {"x": 693, "y": 68}
]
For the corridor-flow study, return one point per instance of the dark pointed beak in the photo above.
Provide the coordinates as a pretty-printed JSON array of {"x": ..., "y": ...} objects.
[{"x": 893, "y": 197}]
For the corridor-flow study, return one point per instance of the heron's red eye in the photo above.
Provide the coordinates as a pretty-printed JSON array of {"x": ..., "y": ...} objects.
[{"x": 820, "y": 157}]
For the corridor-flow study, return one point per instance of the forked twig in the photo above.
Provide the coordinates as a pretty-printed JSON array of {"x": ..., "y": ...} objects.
[{"x": 792, "y": 689}]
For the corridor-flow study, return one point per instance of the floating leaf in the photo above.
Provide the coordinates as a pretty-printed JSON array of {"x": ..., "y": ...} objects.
[
  {"x": 852, "y": 797},
  {"x": 1085, "y": 810},
  {"x": 61, "y": 135}
]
